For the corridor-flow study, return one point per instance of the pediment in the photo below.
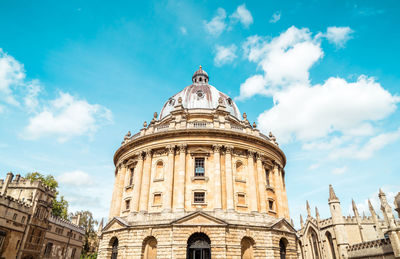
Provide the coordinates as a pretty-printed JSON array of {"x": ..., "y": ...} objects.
[
  {"x": 199, "y": 152},
  {"x": 199, "y": 219},
  {"x": 115, "y": 224},
  {"x": 283, "y": 225}
]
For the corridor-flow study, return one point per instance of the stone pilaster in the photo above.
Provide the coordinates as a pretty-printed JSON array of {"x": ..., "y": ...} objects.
[
  {"x": 169, "y": 179},
  {"x": 252, "y": 194},
  {"x": 261, "y": 185},
  {"x": 137, "y": 183},
  {"x": 120, "y": 188},
  {"x": 144, "y": 193},
  {"x": 179, "y": 189},
  {"x": 217, "y": 177},
  {"x": 229, "y": 179},
  {"x": 114, "y": 194},
  {"x": 278, "y": 191}
]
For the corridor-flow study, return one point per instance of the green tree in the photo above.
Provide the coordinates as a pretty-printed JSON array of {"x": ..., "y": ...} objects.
[
  {"x": 60, "y": 207},
  {"x": 88, "y": 223}
]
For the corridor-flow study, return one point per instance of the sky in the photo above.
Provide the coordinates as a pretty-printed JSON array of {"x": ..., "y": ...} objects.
[{"x": 75, "y": 76}]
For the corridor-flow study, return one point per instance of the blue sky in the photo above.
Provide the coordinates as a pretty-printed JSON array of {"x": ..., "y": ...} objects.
[{"x": 75, "y": 76}]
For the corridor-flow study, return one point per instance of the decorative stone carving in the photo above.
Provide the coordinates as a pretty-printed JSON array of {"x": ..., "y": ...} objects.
[
  {"x": 182, "y": 148},
  {"x": 272, "y": 138},
  {"x": 145, "y": 124},
  {"x": 170, "y": 149},
  {"x": 127, "y": 137},
  {"x": 180, "y": 100},
  {"x": 229, "y": 149},
  {"x": 217, "y": 148},
  {"x": 254, "y": 125}
]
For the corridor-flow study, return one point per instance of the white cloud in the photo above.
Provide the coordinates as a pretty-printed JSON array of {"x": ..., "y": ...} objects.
[
  {"x": 285, "y": 60},
  {"x": 368, "y": 149},
  {"x": 338, "y": 35},
  {"x": 183, "y": 30},
  {"x": 224, "y": 55},
  {"x": 275, "y": 17},
  {"x": 66, "y": 117},
  {"x": 12, "y": 75},
  {"x": 310, "y": 112},
  {"x": 243, "y": 15},
  {"x": 217, "y": 24},
  {"x": 75, "y": 178},
  {"x": 340, "y": 170}
]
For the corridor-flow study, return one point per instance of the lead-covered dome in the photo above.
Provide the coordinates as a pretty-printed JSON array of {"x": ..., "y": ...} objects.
[{"x": 200, "y": 95}]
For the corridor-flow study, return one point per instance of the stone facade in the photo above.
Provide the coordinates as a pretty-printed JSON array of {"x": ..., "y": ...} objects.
[
  {"x": 340, "y": 237},
  {"x": 26, "y": 224},
  {"x": 199, "y": 179}
]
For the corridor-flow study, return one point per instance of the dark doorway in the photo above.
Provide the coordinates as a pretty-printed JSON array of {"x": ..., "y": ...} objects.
[
  {"x": 199, "y": 247},
  {"x": 114, "y": 251}
]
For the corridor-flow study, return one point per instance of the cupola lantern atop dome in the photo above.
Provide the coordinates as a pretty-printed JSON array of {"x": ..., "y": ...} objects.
[{"x": 200, "y": 76}]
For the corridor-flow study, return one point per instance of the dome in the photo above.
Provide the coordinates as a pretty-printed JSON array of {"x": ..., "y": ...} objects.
[{"x": 200, "y": 95}]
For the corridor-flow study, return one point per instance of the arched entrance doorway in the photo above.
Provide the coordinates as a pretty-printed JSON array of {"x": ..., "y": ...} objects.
[
  {"x": 149, "y": 249},
  {"x": 114, "y": 248},
  {"x": 282, "y": 248},
  {"x": 198, "y": 247},
  {"x": 247, "y": 248}
]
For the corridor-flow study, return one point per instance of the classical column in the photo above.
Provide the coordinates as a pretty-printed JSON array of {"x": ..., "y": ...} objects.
[
  {"x": 229, "y": 179},
  {"x": 217, "y": 177},
  {"x": 144, "y": 193},
  {"x": 137, "y": 183},
  {"x": 169, "y": 179},
  {"x": 114, "y": 194},
  {"x": 278, "y": 192},
  {"x": 120, "y": 188},
  {"x": 252, "y": 182},
  {"x": 261, "y": 184},
  {"x": 180, "y": 188}
]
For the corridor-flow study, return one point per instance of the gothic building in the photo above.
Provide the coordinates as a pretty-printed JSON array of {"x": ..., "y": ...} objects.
[
  {"x": 357, "y": 236},
  {"x": 199, "y": 181},
  {"x": 27, "y": 228}
]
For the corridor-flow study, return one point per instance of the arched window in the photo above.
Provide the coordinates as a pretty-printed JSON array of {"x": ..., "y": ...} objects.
[
  {"x": 247, "y": 248},
  {"x": 330, "y": 243},
  {"x": 282, "y": 248},
  {"x": 267, "y": 177},
  {"x": 239, "y": 168},
  {"x": 199, "y": 246},
  {"x": 131, "y": 175},
  {"x": 150, "y": 248},
  {"x": 313, "y": 240},
  {"x": 114, "y": 248},
  {"x": 160, "y": 170}
]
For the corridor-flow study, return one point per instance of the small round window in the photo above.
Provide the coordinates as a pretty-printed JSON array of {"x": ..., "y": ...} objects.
[
  {"x": 229, "y": 101},
  {"x": 171, "y": 101},
  {"x": 200, "y": 94}
]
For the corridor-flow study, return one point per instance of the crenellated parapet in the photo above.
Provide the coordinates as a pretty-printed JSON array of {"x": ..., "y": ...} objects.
[{"x": 66, "y": 223}]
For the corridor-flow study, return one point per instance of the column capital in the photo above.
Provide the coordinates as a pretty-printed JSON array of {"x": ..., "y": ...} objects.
[
  {"x": 229, "y": 149},
  {"x": 170, "y": 149},
  {"x": 182, "y": 148},
  {"x": 259, "y": 156},
  {"x": 139, "y": 155},
  {"x": 148, "y": 153},
  {"x": 251, "y": 153},
  {"x": 216, "y": 148}
]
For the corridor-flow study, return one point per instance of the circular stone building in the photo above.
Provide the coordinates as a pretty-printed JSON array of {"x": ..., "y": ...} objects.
[{"x": 199, "y": 181}]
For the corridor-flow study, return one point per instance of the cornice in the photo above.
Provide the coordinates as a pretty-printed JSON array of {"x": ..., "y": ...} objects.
[{"x": 171, "y": 134}]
